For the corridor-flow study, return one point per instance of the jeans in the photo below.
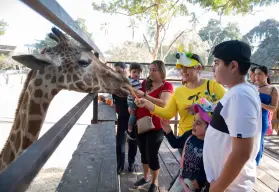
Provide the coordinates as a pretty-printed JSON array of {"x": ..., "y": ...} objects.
[
  {"x": 122, "y": 126},
  {"x": 133, "y": 118}
]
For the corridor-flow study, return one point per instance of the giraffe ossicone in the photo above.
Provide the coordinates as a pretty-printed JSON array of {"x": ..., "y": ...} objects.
[{"x": 64, "y": 66}]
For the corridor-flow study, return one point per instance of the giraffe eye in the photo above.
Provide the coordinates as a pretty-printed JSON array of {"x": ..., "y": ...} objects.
[{"x": 84, "y": 63}]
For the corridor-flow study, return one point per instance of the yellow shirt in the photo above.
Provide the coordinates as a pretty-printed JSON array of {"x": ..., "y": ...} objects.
[{"x": 183, "y": 97}]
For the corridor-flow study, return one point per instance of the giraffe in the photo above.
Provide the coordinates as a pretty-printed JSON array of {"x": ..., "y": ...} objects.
[{"x": 64, "y": 66}]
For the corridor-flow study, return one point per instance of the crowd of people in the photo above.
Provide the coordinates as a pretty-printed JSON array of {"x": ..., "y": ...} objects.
[{"x": 221, "y": 132}]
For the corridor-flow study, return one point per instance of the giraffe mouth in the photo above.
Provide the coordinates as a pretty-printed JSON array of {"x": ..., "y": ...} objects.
[{"x": 125, "y": 90}]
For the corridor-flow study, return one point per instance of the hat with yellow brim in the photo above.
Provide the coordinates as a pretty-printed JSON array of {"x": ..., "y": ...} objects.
[{"x": 185, "y": 60}]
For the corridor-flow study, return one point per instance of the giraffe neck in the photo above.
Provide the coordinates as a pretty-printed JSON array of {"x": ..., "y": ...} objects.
[{"x": 29, "y": 118}]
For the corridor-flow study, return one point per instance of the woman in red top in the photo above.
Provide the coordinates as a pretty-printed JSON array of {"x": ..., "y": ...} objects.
[{"x": 158, "y": 91}]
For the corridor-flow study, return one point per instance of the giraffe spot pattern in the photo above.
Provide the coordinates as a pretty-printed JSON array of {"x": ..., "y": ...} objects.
[
  {"x": 48, "y": 76},
  {"x": 54, "y": 92},
  {"x": 38, "y": 93},
  {"x": 38, "y": 82},
  {"x": 69, "y": 78},
  {"x": 35, "y": 109},
  {"x": 34, "y": 126},
  {"x": 45, "y": 106},
  {"x": 61, "y": 79},
  {"x": 26, "y": 142},
  {"x": 53, "y": 79}
]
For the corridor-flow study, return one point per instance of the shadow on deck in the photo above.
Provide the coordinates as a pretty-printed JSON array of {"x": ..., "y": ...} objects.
[{"x": 267, "y": 173}]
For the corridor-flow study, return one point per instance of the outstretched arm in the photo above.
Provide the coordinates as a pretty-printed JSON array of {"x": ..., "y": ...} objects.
[
  {"x": 167, "y": 112},
  {"x": 176, "y": 142}
]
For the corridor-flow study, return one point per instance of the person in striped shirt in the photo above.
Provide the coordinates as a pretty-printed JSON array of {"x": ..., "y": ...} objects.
[{"x": 135, "y": 70}]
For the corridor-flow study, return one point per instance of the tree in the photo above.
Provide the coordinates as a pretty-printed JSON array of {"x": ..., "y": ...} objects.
[
  {"x": 3, "y": 27},
  {"x": 48, "y": 42},
  {"x": 81, "y": 23},
  {"x": 156, "y": 14},
  {"x": 264, "y": 40},
  {"x": 213, "y": 33},
  {"x": 159, "y": 13},
  {"x": 235, "y": 6},
  {"x": 191, "y": 42},
  {"x": 130, "y": 52},
  {"x": 133, "y": 25},
  {"x": 105, "y": 27}
]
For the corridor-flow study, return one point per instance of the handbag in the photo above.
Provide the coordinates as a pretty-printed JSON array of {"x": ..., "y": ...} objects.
[
  {"x": 145, "y": 124},
  {"x": 182, "y": 185}
]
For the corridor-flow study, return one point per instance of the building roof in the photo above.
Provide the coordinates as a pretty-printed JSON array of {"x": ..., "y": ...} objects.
[{"x": 6, "y": 49}]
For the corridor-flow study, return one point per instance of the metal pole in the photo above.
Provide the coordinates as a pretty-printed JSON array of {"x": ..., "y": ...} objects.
[{"x": 95, "y": 102}]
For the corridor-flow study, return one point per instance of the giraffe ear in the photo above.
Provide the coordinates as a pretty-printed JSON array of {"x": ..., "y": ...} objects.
[{"x": 33, "y": 61}]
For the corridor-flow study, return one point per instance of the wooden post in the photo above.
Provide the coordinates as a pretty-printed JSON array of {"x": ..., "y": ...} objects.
[{"x": 95, "y": 102}]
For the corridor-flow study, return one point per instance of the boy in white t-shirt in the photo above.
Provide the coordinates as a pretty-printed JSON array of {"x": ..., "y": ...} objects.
[{"x": 232, "y": 139}]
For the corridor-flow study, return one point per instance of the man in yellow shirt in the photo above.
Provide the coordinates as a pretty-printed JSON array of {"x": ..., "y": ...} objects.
[{"x": 185, "y": 96}]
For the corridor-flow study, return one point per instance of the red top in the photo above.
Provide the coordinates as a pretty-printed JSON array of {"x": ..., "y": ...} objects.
[{"x": 142, "y": 112}]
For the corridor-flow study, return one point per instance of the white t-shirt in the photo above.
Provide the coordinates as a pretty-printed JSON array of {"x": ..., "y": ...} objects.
[{"x": 238, "y": 114}]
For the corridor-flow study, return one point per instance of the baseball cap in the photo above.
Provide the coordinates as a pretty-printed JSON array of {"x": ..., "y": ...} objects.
[{"x": 233, "y": 50}]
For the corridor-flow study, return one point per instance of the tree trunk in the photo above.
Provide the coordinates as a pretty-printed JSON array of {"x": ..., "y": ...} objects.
[
  {"x": 157, "y": 37},
  {"x": 171, "y": 44}
]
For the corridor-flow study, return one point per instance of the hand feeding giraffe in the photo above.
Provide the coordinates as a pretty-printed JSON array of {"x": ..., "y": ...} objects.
[{"x": 65, "y": 66}]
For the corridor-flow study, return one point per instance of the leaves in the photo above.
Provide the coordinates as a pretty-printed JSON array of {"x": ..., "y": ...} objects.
[
  {"x": 3, "y": 27},
  {"x": 48, "y": 42},
  {"x": 266, "y": 37},
  {"x": 225, "y": 7},
  {"x": 81, "y": 23},
  {"x": 158, "y": 14},
  {"x": 213, "y": 33}
]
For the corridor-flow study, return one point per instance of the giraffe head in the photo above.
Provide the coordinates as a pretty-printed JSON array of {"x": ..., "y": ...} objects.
[{"x": 73, "y": 67}]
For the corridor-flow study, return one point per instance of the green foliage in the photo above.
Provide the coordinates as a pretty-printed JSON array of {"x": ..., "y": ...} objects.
[
  {"x": 264, "y": 40},
  {"x": 170, "y": 58},
  {"x": 144, "y": 9},
  {"x": 191, "y": 42},
  {"x": 3, "y": 27},
  {"x": 48, "y": 42},
  {"x": 6, "y": 62},
  {"x": 213, "y": 33},
  {"x": 81, "y": 23},
  {"x": 40, "y": 44},
  {"x": 157, "y": 14},
  {"x": 232, "y": 6}
]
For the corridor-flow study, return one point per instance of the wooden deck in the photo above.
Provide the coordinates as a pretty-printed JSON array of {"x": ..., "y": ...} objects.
[
  {"x": 93, "y": 165},
  {"x": 267, "y": 173}
]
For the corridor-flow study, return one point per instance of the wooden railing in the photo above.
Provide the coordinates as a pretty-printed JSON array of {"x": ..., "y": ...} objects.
[{"x": 20, "y": 173}]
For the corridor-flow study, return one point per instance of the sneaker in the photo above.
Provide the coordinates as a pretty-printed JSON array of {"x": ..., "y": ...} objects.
[
  {"x": 141, "y": 183},
  {"x": 128, "y": 135},
  {"x": 131, "y": 167},
  {"x": 119, "y": 170},
  {"x": 153, "y": 188}
]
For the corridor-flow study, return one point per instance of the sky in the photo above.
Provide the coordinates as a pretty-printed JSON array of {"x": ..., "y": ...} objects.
[{"x": 26, "y": 26}]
